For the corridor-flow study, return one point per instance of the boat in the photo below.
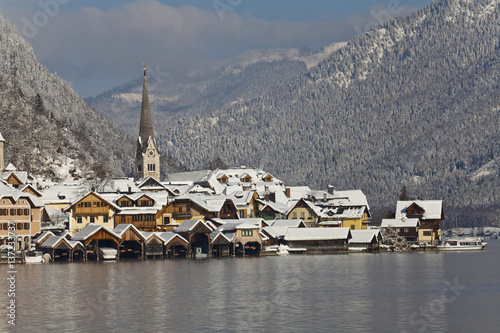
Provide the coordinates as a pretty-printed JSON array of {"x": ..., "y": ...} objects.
[
  {"x": 463, "y": 244},
  {"x": 108, "y": 253},
  {"x": 34, "y": 257}
]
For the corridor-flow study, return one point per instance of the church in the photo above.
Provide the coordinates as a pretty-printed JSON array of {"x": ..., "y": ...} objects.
[{"x": 147, "y": 158}]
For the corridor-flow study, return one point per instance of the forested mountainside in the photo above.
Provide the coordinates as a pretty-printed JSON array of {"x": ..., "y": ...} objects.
[{"x": 49, "y": 130}]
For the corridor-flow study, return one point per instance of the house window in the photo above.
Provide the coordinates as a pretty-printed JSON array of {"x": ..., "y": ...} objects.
[
  {"x": 407, "y": 229},
  {"x": 427, "y": 233},
  {"x": 19, "y": 211},
  {"x": 353, "y": 227},
  {"x": 302, "y": 215},
  {"x": 166, "y": 220},
  {"x": 223, "y": 180},
  {"x": 13, "y": 212},
  {"x": 105, "y": 219},
  {"x": 310, "y": 216},
  {"x": 123, "y": 218},
  {"x": 151, "y": 167},
  {"x": 294, "y": 215},
  {"x": 19, "y": 226},
  {"x": 79, "y": 219},
  {"x": 26, "y": 212},
  {"x": 246, "y": 233},
  {"x": 139, "y": 168},
  {"x": 92, "y": 219},
  {"x": 242, "y": 213},
  {"x": 26, "y": 226},
  {"x": 398, "y": 229}
]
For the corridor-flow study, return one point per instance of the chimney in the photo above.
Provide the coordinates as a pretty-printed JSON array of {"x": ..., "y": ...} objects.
[
  {"x": 272, "y": 196},
  {"x": 325, "y": 196},
  {"x": 287, "y": 192},
  {"x": 330, "y": 189}
]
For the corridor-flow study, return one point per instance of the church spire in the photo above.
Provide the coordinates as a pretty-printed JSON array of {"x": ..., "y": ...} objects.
[{"x": 146, "y": 128}]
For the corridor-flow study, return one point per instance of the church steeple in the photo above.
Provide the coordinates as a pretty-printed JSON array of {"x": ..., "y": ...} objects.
[
  {"x": 147, "y": 159},
  {"x": 146, "y": 129}
]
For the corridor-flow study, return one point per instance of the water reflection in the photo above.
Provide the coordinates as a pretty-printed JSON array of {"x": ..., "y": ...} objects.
[{"x": 357, "y": 292}]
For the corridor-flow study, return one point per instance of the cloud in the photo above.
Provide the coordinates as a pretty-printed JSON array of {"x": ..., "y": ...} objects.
[{"x": 96, "y": 48}]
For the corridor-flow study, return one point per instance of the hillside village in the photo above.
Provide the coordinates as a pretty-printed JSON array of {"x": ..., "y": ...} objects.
[{"x": 223, "y": 212}]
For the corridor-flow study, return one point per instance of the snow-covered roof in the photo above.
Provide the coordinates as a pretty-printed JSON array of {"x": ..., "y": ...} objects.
[
  {"x": 400, "y": 223},
  {"x": 294, "y": 223},
  {"x": 365, "y": 236},
  {"x": 122, "y": 228},
  {"x": 190, "y": 225},
  {"x": 43, "y": 236},
  {"x": 7, "y": 191},
  {"x": 169, "y": 236},
  {"x": 118, "y": 185},
  {"x": 53, "y": 241},
  {"x": 64, "y": 192},
  {"x": 333, "y": 223},
  {"x": 89, "y": 230},
  {"x": 187, "y": 178},
  {"x": 276, "y": 232},
  {"x": 433, "y": 209},
  {"x": 228, "y": 237},
  {"x": 299, "y": 192},
  {"x": 275, "y": 206},
  {"x": 308, "y": 234}
]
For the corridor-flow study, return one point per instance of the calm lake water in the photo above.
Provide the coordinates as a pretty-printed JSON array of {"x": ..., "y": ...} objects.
[{"x": 387, "y": 292}]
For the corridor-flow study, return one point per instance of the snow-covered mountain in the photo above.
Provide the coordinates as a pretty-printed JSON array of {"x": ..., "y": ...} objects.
[{"x": 49, "y": 130}]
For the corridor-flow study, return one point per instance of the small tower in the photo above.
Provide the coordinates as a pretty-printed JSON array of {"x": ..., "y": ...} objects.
[
  {"x": 2, "y": 140},
  {"x": 147, "y": 159}
]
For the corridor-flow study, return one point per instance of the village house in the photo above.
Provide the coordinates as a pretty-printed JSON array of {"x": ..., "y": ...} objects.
[
  {"x": 21, "y": 214},
  {"x": 91, "y": 208},
  {"x": 430, "y": 214},
  {"x": 237, "y": 238}
]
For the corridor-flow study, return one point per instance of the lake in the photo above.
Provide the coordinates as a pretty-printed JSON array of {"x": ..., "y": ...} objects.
[{"x": 362, "y": 292}]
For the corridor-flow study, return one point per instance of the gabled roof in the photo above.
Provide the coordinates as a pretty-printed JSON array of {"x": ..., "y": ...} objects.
[
  {"x": 122, "y": 228},
  {"x": 43, "y": 236},
  {"x": 227, "y": 238},
  {"x": 7, "y": 191},
  {"x": 276, "y": 232},
  {"x": 150, "y": 183},
  {"x": 294, "y": 223},
  {"x": 275, "y": 206},
  {"x": 433, "y": 209},
  {"x": 169, "y": 236},
  {"x": 91, "y": 229},
  {"x": 365, "y": 236},
  {"x": 109, "y": 202},
  {"x": 54, "y": 241},
  {"x": 24, "y": 187},
  {"x": 190, "y": 225},
  {"x": 308, "y": 234},
  {"x": 400, "y": 223}
]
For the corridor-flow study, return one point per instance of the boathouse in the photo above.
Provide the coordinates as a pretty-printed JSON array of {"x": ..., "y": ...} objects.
[
  {"x": 95, "y": 237},
  {"x": 318, "y": 240},
  {"x": 61, "y": 249},
  {"x": 367, "y": 240},
  {"x": 131, "y": 242},
  {"x": 197, "y": 232}
]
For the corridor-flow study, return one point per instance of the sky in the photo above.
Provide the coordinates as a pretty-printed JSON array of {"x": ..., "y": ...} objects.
[{"x": 100, "y": 44}]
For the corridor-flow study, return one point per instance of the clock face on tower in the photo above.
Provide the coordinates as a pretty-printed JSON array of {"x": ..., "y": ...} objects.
[{"x": 151, "y": 153}]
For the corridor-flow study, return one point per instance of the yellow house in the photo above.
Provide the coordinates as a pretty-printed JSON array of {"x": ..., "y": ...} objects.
[
  {"x": 352, "y": 217},
  {"x": 91, "y": 208},
  {"x": 305, "y": 211}
]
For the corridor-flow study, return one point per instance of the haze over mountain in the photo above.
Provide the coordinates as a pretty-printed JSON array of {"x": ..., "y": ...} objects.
[{"x": 411, "y": 102}]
